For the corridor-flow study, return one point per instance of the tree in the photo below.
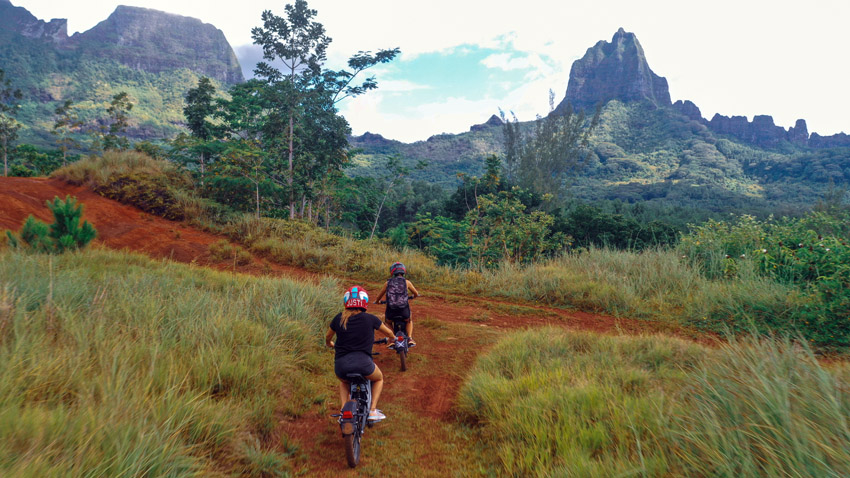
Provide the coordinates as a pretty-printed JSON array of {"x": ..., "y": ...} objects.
[
  {"x": 541, "y": 160},
  {"x": 300, "y": 44},
  {"x": 200, "y": 105},
  {"x": 110, "y": 135},
  {"x": 500, "y": 228},
  {"x": 397, "y": 171},
  {"x": 67, "y": 123},
  {"x": 9, "y": 104},
  {"x": 246, "y": 159}
]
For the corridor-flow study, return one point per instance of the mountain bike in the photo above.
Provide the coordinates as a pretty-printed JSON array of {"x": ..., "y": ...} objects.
[
  {"x": 402, "y": 341},
  {"x": 354, "y": 417}
]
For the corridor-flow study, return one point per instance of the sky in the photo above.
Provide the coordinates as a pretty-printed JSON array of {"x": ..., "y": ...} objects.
[{"x": 463, "y": 60}]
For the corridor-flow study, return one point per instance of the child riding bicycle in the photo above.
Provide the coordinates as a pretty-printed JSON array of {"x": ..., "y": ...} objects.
[
  {"x": 399, "y": 291},
  {"x": 355, "y": 334}
]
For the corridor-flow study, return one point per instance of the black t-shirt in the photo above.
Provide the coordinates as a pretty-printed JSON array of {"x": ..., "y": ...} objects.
[{"x": 358, "y": 336}]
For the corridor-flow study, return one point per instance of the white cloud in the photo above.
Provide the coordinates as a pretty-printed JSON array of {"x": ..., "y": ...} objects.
[
  {"x": 400, "y": 86},
  {"x": 506, "y": 61}
]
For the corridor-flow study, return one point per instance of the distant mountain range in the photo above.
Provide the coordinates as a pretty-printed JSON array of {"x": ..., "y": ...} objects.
[
  {"x": 645, "y": 148},
  {"x": 648, "y": 148}
]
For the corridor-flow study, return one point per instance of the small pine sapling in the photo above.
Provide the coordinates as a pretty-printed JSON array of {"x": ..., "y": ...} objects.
[{"x": 66, "y": 231}]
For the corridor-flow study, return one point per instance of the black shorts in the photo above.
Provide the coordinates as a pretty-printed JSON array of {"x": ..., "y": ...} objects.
[
  {"x": 398, "y": 314},
  {"x": 354, "y": 362}
]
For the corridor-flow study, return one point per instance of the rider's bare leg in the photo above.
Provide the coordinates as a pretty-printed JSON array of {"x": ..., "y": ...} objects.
[
  {"x": 377, "y": 379},
  {"x": 344, "y": 389},
  {"x": 409, "y": 327}
]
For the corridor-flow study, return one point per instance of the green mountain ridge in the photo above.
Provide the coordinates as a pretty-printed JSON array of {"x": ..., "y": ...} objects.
[
  {"x": 649, "y": 149},
  {"x": 154, "y": 56}
]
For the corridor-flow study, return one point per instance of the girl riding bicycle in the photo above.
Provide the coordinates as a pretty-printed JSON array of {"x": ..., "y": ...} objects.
[
  {"x": 355, "y": 334},
  {"x": 398, "y": 291}
]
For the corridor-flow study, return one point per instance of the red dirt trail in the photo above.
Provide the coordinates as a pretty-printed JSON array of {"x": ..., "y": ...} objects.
[{"x": 451, "y": 329}]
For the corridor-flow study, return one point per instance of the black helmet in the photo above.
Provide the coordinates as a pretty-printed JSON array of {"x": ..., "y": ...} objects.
[{"x": 397, "y": 268}]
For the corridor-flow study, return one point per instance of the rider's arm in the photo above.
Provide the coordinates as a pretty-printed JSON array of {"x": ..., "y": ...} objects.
[
  {"x": 381, "y": 294},
  {"x": 412, "y": 289},
  {"x": 387, "y": 331},
  {"x": 328, "y": 337}
]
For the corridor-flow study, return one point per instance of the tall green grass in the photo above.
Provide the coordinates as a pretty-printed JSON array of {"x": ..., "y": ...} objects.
[
  {"x": 765, "y": 408},
  {"x": 116, "y": 365},
  {"x": 552, "y": 403},
  {"x": 557, "y": 403}
]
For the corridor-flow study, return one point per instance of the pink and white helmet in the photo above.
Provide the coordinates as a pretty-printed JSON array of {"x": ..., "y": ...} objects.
[{"x": 356, "y": 298}]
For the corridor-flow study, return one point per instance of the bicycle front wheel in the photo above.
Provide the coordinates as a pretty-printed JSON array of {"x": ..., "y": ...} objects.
[
  {"x": 403, "y": 357},
  {"x": 352, "y": 449}
]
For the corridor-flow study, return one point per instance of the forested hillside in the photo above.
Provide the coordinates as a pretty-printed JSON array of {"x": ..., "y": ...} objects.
[{"x": 153, "y": 56}]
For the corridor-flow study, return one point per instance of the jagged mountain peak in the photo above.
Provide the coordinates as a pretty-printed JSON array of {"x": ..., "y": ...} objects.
[{"x": 614, "y": 70}]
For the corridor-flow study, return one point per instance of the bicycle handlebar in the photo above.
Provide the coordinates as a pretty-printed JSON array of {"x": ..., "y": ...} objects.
[
  {"x": 409, "y": 298},
  {"x": 382, "y": 341}
]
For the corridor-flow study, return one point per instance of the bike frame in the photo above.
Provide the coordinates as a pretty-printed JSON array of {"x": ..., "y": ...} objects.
[{"x": 354, "y": 417}]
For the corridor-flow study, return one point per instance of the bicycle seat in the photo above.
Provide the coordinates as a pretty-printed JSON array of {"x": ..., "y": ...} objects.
[{"x": 355, "y": 377}]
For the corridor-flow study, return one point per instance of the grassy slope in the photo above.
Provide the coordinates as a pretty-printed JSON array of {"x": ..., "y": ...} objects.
[
  {"x": 655, "y": 285},
  {"x": 115, "y": 365}
]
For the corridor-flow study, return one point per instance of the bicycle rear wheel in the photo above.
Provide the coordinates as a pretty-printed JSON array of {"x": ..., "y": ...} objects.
[{"x": 352, "y": 449}]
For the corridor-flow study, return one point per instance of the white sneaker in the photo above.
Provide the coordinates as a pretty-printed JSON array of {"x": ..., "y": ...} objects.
[{"x": 376, "y": 416}]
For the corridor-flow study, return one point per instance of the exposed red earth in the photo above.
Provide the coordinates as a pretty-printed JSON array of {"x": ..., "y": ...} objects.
[{"x": 451, "y": 330}]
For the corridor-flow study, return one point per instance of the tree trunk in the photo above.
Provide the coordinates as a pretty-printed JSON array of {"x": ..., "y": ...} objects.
[
  {"x": 257, "y": 185},
  {"x": 291, "y": 158},
  {"x": 5, "y": 161},
  {"x": 381, "y": 206},
  {"x": 64, "y": 157},
  {"x": 202, "y": 168},
  {"x": 310, "y": 210}
]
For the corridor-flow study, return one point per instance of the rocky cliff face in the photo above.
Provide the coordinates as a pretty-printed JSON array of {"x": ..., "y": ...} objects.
[
  {"x": 616, "y": 70},
  {"x": 689, "y": 109},
  {"x": 761, "y": 131},
  {"x": 840, "y": 140},
  {"x": 19, "y": 20},
  {"x": 155, "y": 41}
]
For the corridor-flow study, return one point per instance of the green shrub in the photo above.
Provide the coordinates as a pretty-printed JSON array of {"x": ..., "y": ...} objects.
[
  {"x": 66, "y": 232},
  {"x": 803, "y": 253}
]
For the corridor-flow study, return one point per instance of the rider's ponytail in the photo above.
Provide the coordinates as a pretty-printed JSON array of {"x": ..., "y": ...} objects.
[{"x": 346, "y": 314}]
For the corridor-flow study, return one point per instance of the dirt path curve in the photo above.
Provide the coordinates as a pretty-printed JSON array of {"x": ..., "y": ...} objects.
[{"x": 422, "y": 436}]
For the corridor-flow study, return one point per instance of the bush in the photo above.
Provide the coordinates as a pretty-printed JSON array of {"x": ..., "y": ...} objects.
[
  {"x": 66, "y": 232},
  {"x": 801, "y": 253},
  {"x": 153, "y": 185}
]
